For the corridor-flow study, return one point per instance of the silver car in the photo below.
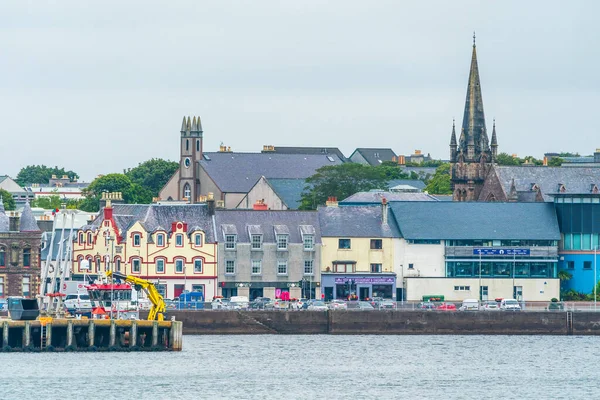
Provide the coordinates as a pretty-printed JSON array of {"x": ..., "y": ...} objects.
[{"x": 317, "y": 306}]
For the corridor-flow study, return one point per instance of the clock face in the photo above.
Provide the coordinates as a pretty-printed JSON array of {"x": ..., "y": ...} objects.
[{"x": 187, "y": 162}]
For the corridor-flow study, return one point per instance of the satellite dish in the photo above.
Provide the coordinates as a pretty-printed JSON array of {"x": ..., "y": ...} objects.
[{"x": 84, "y": 265}]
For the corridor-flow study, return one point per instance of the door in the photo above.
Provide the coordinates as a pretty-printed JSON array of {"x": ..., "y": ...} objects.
[
  {"x": 518, "y": 293},
  {"x": 178, "y": 289},
  {"x": 483, "y": 293},
  {"x": 363, "y": 293},
  {"x": 328, "y": 293}
]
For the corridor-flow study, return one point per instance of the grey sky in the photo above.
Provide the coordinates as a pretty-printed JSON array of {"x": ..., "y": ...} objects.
[{"x": 100, "y": 86}]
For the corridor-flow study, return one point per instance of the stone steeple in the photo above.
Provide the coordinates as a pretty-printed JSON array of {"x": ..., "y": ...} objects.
[
  {"x": 28, "y": 223},
  {"x": 453, "y": 144},
  {"x": 473, "y": 124},
  {"x": 494, "y": 144}
]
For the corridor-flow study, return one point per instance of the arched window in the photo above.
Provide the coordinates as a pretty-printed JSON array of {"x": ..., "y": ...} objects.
[
  {"x": 89, "y": 238},
  {"x": 197, "y": 145},
  {"x": 187, "y": 191},
  {"x": 187, "y": 144},
  {"x": 2, "y": 257},
  {"x": 81, "y": 239},
  {"x": 118, "y": 264}
]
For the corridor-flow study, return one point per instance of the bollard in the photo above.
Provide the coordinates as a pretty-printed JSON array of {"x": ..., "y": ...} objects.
[{"x": 113, "y": 334}]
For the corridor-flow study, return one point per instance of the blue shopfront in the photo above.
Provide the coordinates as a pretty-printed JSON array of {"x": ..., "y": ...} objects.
[{"x": 361, "y": 287}]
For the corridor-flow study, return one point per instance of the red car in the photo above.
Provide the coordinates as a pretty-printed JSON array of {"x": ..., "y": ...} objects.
[{"x": 446, "y": 307}]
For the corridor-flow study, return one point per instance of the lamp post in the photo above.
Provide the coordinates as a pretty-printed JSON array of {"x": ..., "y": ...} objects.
[
  {"x": 110, "y": 239},
  {"x": 595, "y": 279},
  {"x": 480, "y": 291}
]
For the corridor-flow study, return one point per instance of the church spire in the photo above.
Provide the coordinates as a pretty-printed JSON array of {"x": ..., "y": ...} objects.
[
  {"x": 453, "y": 144},
  {"x": 494, "y": 144},
  {"x": 474, "y": 118}
]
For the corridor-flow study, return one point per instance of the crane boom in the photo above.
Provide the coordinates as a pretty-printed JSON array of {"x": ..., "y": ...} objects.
[{"x": 157, "y": 311}]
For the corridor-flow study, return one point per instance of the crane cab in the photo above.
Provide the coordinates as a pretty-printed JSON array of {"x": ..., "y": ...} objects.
[{"x": 113, "y": 298}]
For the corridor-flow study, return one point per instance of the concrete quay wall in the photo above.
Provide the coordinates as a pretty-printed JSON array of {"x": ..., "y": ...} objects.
[{"x": 388, "y": 322}]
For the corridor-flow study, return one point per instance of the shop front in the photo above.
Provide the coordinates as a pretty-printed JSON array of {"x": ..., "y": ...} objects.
[
  {"x": 358, "y": 287},
  {"x": 272, "y": 290}
]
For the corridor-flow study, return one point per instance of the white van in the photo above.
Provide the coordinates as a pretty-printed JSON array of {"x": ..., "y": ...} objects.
[
  {"x": 239, "y": 302},
  {"x": 510, "y": 305},
  {"x": 469, "y": 305}
]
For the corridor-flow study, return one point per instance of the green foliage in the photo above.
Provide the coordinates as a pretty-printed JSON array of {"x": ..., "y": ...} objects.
[
  {"x": 133, "y": 193},
  {"x": 567, "y": 154},
  {"x": 9, "y": 202},
  {"x": 507, "y": 159},
  {"x": 152, "y": 174},
  {"x": 564, "y": 276},
  {"x": 430, "y": 164},
  {"x": 41, "y": 174},
  {"x": 47, "y": 203},
  {"x": 440, "y": 182},
  {"x": 555, "y": 162},
  {"x": 344, "y": 180},
  {"x": 573, "y": 295}
]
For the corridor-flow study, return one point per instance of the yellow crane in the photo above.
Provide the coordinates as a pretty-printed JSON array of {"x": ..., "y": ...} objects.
[{"x": 157, "y": 311}]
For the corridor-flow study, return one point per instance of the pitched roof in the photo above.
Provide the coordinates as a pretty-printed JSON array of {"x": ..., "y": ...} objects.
[
  {"x": 308, "y": 150},
  {"x": 27, "y": 221},
  {"x": 375, "y": 156},
  {"x": 375, "y": 197},
  {"x": 288, "y": 190},
  {"x": 473, "y": 220},
  {"x": 575, "y": 180},
  {"x": 416, "y": 183},
  {"x": 266, "y": 223},
  {"x": 4, "y": 220},
  {"x": 356, "y": 221},
  {"x": 238, "y": 172}
]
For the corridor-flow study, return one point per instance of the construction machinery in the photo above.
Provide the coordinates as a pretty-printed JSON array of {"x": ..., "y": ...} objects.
[{"x": 157, "y": 311}]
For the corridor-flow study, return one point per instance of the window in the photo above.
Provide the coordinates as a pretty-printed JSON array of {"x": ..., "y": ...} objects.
[
  {"x": 136, "y": 265},
  {"x": 462, "y": 288},
  {"x": 98, "y": 264},
  {"x": 344, "y": 244},
  {"x": 136, "y": 240},
  {"x": 570, "y": 264},
  {"x": 160, "y": 266},
  {"x": 179, "y": 240},
  {"x": 197, "y": 145},
  {"x": 376, "y": 244},
  {"x": 198, "y": 239},
  {"x": 80, "y": 240},
  {"x": 118, "y": 263},
  {"x": 229, "y": 267},
  {"x": 376, "y": 268},
  {"x": 256, "y": 242},
  {"x": 197, "y": 266},
  {"x": 282, "y": 242},
  {"x": 423, "y": 241},
  {"x": 587, "y": 265},
  {"x": 26, "y": 287},
  {"x": 281, "y": 267},
  {"x": 27, "y": 257},
  {"x": 230, "y": 242},
  {"x": 179, "y": 266},
  {"x": 2, "y": 257},
  {"x": 309, "y": 242},
  {"x": 1, "y": 286},
  {"x": 89, "y": 238},
  {"x": 308, "y": 267},
  {"x": 160, "y": 240},
  {"x": 256, "y": 267},
  {"x": 187, "y": 191},
  {"x": 411, "y": 266},
  {"x": 343, "y": 268}
]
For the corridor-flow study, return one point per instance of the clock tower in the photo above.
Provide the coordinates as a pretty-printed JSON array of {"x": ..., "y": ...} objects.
[{"x": 191, "y": 155}]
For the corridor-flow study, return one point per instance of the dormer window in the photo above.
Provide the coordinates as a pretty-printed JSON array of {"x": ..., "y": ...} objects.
[
  {"x": 160, "y": 240},
  {"x": 179, "y": 240},
  {"x": 198, "y": 239},
  {"x": 309, "y": 242},
  {"x": 230, "y": 241},
  {"x": 137, "y": 239},
  {"x": 256, "y": 242},
  {"x": 282, "y": 242}
]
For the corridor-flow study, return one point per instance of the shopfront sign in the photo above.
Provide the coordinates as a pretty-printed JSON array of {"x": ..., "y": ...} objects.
[
  {"x": 486, "y": 251},
  {"x": 365, "y": 280}
]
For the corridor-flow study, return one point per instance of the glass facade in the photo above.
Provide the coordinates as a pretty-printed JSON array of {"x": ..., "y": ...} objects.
[{"x": 518, "y": 268}]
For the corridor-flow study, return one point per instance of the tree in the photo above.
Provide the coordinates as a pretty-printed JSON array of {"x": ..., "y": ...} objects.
[
  {"x": 41, "y": 174},
  {"x": 440, "y": 182},
  {"x": 507, "y": 159},
  {"x": 555, "y": 162},
  {"x": 344, "y": 180},
  {"x": 132, "y": 193},
  {"x": 9, "y": 202},
  {"x": 153, "y": 174},
  {"x": 47, "y": 203}
]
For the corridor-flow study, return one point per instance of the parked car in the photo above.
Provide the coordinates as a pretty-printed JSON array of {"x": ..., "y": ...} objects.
[
  {"x": 375, "y": 301},
  {"x": 239, "y": 302},
  {"x": 490, "y": 306},
  {"x": 78, "y": 302},
  {"x": 338, "y": 305},
  {"x": 446, "y": 307},
  {"x": 297, "y": 304},
  {"x": 261, "y": 303},
  {"x": 510, "y": 305},
  {"x": 220, "y": 304},
  {"x": 469, "y": 305},
  {"x": 365, "y": 306},
  {"x": 317, "y": 305},
  {"x": 386, "y": 305},
  {"x": 426, "y": 305}
]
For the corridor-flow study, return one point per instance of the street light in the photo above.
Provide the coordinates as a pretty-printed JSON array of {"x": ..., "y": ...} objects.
[{"x": 595, "y": 279}]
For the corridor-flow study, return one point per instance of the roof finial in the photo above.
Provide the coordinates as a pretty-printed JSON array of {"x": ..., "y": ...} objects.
[
  {"x": 494, "y": 122},
  {"x": 473, "y": 38},
  {"x": 453, "y": 122}
]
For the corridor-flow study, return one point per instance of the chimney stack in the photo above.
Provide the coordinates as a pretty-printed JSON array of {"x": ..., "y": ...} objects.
[
  {"x": 331, "y": 201},
  {"x": 210, "y": 202},
  {"x": 384, "y": 211},
  {"x": 260, "y": 205}
]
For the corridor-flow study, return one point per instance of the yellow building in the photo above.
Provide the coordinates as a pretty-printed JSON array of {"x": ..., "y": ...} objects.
[
  {"x": 357, "y": 257},
  {"x": 173, "y": 245}
]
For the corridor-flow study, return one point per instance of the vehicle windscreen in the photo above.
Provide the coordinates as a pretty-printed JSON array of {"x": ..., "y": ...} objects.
[
  {"x": 84, "y": 297},
  {"x": 510, "y": 302}
]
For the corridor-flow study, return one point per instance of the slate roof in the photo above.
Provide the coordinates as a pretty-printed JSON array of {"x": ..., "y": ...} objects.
[
  {"x": 46, "y": 238},
  {"x": 474, "y": 220},
  {"x": 375, "y": 197},
  {"x": 161, "y": 216},
  {"x": 238, "y": 172},
  {"x": 309, "y": 150},
  {"x": 4, "y": 220},
  {"x": 374, "y": 155},
  {"x": 288, "y": 190},
  {"x": 27, "y": 221},
  {"x": 356, "y": 221},
  {"x": 576, "y": 180},
  {"x": 416, "y": 183},
  {"x": 266, "y": 222}
]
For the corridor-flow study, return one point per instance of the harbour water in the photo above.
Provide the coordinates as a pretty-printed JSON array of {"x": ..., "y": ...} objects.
[{"x": 318, "y": 367}]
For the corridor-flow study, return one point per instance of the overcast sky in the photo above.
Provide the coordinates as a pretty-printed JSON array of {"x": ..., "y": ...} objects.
[{"x": 101, "y": 86}]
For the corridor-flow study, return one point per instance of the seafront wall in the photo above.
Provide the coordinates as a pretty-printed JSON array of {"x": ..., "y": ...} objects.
[{"x": 388, "y": 322}]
